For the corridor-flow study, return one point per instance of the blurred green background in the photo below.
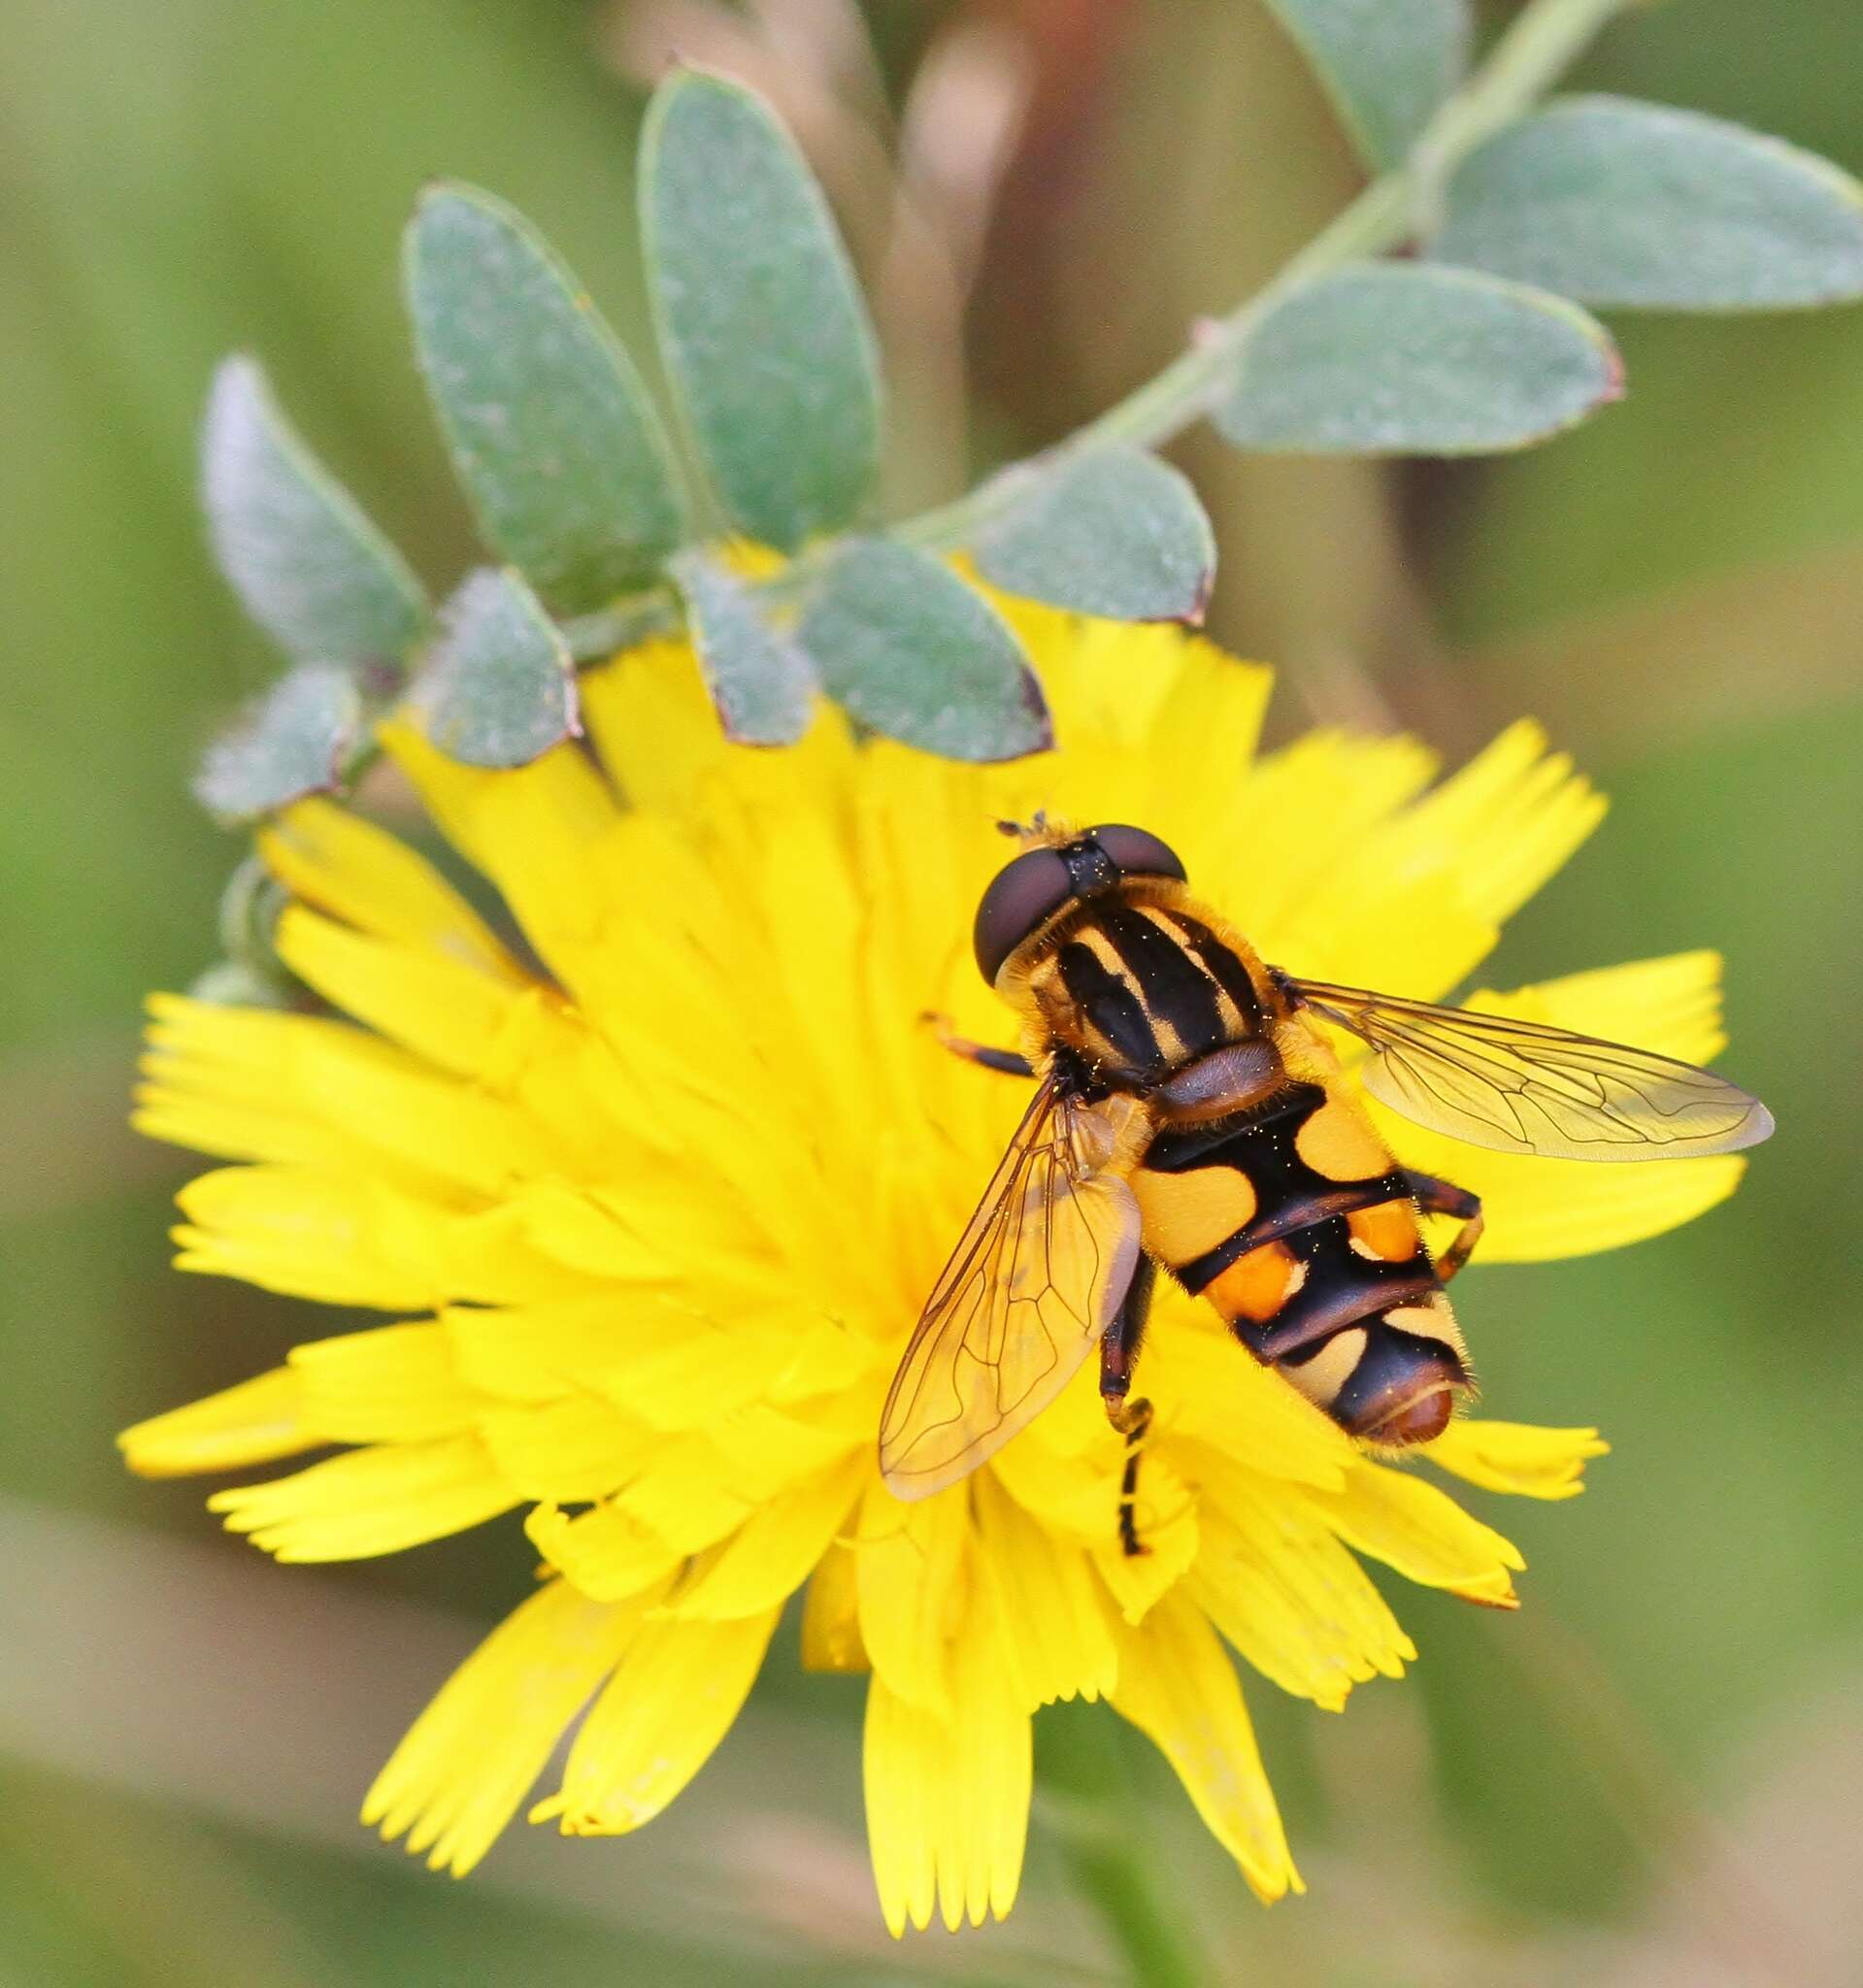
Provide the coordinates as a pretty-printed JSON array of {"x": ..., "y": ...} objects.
[{"x": 1647, "y": 1778}]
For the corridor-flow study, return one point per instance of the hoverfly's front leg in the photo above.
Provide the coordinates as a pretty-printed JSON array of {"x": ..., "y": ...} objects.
[
  {"x": 1118, "y": 1349},
  {"x": 1441, "y": 1198},
  {"x": 1008, "y": 1061}
]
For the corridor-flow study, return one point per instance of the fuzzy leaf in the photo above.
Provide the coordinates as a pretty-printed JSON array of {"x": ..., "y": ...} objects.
[
  {"x": 499, "y": 688},
  {"x": 1637, "y": 205},
  {"x": 762, "y": 325},
  {"x": 551, "y": 431},
  {"x": 760, "y": 680},
  {"x": 1401, "y": 359},
  {"x": 293, "y": 742},
  {"x": 1386, "y": 64},
  {"x": 307, "y": 565},
  {"x": 1117, "y": 533},
  {"x": 910, "y": 649}
]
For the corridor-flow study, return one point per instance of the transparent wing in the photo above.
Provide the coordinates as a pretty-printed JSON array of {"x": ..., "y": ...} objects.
[
  {"x": 1033, "y": 1283},
  {"x": 1524, "y": 1087}
]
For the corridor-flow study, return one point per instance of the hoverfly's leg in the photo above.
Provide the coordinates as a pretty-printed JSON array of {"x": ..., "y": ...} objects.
[
  {"x": 1118, "y": 1349},
  {"x": 1440, "y": 1198},
  {"x": 1008, "y": 1061}
]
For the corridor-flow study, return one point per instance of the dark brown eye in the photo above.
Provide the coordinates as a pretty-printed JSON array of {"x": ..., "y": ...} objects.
[
  {"x": 1027, "y": 891},
  {"x": 1137, "y": 851}
]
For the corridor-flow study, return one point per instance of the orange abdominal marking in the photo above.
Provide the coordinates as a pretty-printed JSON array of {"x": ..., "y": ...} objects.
[
  {"x": 1387, "y": 1232},
  {"x": 1255, "y": 1286}
]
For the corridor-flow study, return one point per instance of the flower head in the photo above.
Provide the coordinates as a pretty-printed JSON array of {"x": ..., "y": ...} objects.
[{"x": 652, "y": 1198}]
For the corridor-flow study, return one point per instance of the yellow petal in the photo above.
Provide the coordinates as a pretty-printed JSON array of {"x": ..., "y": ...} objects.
[
  {"x": 448, "y": 1012},
  {"x": 216, "y": 1082},
  {"x": 770, "y": 1555},
  {"x": 1517, "y": 1457},
  {"x": 1670, "y": 1004},
  {"x": 492, "y": 1258},
  {"x": 573, "y": 1449},
  {"x": 345, "y": 1238},
  {"x": 1304, "y": 813},
  {"x": 1274, "y": 1579},
  {"x": 254, "y": 1424},
  {"x": 652, "y": 723},
  {"x": 1412, "y": 902},
  {"x": 947, "y": 1803},
  {"x": 1110, "y": 680},
  {"x": 1421, "y": 1531},
  {"x": 540, "y": 1352},
  {"x": 363, "y": 874},
  {"x": 250, "y": 1127},
  {"x": 671, "y": 1699},
  {"x": 1209, "y": 1388},
  {"x": 537, "y": 832},
  {"x": 605, "y": 1552},
  {"x": 1501, "y": 826},
  {"x": 1166, "y": 1515},
  {"x": 1180, "y": 1689},
  {"x": 914, "y": 1578},
  {"x": 1074, "y": 1496},
  {"x": 471, "y": 1757},
  {"x": 370, "y": 1502},
  {"x": 831, "y": 1614},
  {"x": 425, "y": 1123},
  {"x": 1057, "y": 1642},
  {"x": 1495, "y": 831},
  {"x": 397, "y": 1383},
  {"x": 1538, "y": 1210}
]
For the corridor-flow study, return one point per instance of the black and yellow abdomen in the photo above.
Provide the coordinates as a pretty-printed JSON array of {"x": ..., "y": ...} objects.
[
  {"x": 1300, "y": 1230},
  {"x": 1281, "y": 1205}
]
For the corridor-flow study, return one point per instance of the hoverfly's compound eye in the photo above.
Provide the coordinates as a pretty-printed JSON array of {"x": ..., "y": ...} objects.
[
  {"x": 1025, "y": 893},
  {"x": 1137, "y": 851}
]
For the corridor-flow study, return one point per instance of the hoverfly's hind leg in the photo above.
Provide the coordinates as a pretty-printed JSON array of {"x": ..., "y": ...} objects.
[
  {"x": 1440, "y": 1198},
  {"x": 1133, "y": 1421},
  {"x": 1008, "y": 1061},
  {"x": 1118, "y": 1349}
]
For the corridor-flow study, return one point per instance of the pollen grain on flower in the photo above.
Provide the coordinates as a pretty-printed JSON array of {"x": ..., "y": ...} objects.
[{"x": 649, "y": 1206}]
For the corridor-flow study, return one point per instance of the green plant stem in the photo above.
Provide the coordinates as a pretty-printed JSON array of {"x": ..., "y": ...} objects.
[
  {"x": 1543, "y": 41},
  {"x": 1088, "y": 1803}
]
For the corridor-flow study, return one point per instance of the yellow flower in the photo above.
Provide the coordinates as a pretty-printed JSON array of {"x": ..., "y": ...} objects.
[{"x": 653, "y": 1198}]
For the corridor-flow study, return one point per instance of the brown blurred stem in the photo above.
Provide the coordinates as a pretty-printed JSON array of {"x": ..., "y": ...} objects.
[{"x": 1543, "y": 42}]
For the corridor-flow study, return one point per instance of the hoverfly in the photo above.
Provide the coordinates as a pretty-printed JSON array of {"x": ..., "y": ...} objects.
[{"x": 1190, "y": 1116}]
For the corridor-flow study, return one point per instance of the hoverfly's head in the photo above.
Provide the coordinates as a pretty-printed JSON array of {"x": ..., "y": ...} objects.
[{"x": 1057, "y": 868}]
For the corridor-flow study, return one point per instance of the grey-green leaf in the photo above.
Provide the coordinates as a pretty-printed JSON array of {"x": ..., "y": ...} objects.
[
  {"x": 760, "y": 319},
  {"x": 1390, "y": 358},
  {"x": 1386, "y": 64},
  {"x": 906, "y": 648},
  {"x": 760, "y": 680},
  {"x": 307, "y": 565},
  {"x": 1635, "y": 205},
  {"x": 292, "y": 742},
  {"x": 499, "y": 688},
  {"x": 1117, "y": 533},
  {"x": 551, "y": 431}
]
